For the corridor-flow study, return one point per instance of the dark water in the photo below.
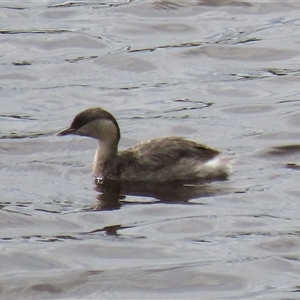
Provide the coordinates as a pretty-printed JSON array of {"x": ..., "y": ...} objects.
[{"x": 225, "y": 73}]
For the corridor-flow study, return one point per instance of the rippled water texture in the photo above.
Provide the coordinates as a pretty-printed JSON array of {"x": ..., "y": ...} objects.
[{"x": 225, "y": 73}]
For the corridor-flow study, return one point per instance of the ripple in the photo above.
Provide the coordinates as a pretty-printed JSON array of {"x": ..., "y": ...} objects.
[
  {"x": 281, "y": 245},
  {"x": 176, "y": 229},
  {"x": 240, "y": 53},
  {"x": 185, "y": 227},
  {"x": 129, "y": 64},
  {"x": 250, "y": 109},
  {"x": 167, "y": 279},
  {"x": 15, "y": 135},
  {"x": 294, "y": 120},
  {"x": 279, "y": 136},
  {"x": 44, "y": 31},
  {"x": 177, "y": 28},
  {"x": 284, "y": 150},
  {"x": 128, "y": 283}
]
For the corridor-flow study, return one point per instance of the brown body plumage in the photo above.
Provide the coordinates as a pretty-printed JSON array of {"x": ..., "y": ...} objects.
[{"x": 160, "y": 160}]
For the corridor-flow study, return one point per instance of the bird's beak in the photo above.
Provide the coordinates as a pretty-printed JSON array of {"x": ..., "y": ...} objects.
[{"x": 66, "y": 131}]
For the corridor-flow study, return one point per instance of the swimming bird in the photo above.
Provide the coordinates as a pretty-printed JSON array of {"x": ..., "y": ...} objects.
[{"x": 167, "y": 159}]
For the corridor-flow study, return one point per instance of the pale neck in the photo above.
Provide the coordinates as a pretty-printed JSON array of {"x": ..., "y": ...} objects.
[{"x": 106, "y": 152}]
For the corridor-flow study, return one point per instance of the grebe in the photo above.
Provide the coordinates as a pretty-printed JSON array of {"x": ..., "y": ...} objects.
[{"x": 160, "y": 160}]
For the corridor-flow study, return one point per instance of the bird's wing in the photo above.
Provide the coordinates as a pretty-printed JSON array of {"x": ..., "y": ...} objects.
[{"x": 161, "y": 153}]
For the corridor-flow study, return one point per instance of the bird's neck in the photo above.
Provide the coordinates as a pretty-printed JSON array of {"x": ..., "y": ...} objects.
[{"x": 105, "y": 157}]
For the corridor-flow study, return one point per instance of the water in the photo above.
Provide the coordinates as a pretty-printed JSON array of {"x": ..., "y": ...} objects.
[{"x": 225, "y": 73}]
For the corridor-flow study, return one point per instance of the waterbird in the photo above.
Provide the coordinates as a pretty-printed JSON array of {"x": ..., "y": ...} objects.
[{"x": 162, "y": 160}]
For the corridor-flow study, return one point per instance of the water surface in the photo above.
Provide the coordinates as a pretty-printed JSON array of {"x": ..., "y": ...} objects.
[{"x": 225, "y": 73}]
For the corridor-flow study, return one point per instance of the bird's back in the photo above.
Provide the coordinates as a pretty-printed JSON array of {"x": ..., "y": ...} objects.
[{"x": 167, "y": 159}]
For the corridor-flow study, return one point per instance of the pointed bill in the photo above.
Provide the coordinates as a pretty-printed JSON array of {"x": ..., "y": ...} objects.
[{"x": 66, "y": 131}]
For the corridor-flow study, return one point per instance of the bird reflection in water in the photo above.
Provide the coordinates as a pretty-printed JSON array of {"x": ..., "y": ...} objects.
[{"x": 112, "y": 194}]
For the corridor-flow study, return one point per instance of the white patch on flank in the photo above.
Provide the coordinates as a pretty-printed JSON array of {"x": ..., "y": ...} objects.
[{"x": 218, "y": 166}]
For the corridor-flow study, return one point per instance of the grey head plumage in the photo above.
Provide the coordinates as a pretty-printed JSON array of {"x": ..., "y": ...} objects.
[{"x": 86, "y": 117}]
